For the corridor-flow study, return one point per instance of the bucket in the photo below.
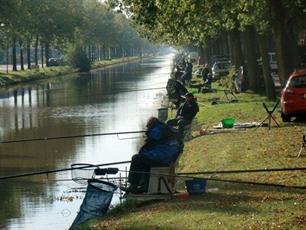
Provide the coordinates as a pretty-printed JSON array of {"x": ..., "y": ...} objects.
[
  {"x": 195, "y": 187},
  {"x": 228, "y": 122}
]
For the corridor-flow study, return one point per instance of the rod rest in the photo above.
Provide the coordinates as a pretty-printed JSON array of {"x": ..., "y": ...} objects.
[{"x": 103, "y": 171}]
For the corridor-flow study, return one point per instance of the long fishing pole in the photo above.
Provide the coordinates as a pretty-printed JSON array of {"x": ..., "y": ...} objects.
[
  {"x": 61, "y": 170},
  {"x": 72, "y": 136},
  {"x": 223, "y": 180},
  {"x": 241, "y": 171},
  {"x": 204, "y": 178}
]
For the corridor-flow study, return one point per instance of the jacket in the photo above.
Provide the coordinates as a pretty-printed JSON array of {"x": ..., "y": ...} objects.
[
  {"x": 162, "y": 144},
  {"x": 188, "y": 110}
]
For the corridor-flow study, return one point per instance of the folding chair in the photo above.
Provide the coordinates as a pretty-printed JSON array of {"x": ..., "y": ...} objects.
[
  {"x": 230, "y": 96},
  {"x": 269, "y": 116}
]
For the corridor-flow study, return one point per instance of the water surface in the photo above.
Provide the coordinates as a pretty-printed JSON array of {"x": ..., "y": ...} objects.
[{"x": 110, "y": 100}]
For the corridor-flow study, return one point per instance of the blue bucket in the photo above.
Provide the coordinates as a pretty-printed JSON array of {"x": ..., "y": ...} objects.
[{"x": 195, "y": 187}]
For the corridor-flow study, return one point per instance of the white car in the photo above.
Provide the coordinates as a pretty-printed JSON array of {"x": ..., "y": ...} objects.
[{"x": 220, "y": 68}]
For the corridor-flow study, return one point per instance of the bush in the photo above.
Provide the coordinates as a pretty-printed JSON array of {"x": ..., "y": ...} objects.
[{"x": 78, "y": 59}]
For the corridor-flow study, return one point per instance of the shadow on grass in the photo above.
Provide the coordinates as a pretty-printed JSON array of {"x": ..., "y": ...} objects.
[
  {"x": 232, "y": 187},
  {"x": 211, "y": 202}
]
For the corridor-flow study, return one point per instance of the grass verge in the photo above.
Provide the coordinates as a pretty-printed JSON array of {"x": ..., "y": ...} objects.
[
  {"x": 229, "y": 205},
  {"x": 16, "y": 77}
]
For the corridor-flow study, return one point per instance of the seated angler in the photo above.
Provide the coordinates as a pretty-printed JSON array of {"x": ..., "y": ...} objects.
[
  {"x": 185, "y": 113},
  {"x": 161, "y": 148}
]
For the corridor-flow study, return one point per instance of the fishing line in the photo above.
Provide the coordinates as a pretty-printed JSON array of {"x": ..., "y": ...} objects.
[
  {"x": 242, "y": 171},
  {"x": 66, "y": 137},
  {"x": 225, "y": 180},
  {"x": 61, "y": 170}
]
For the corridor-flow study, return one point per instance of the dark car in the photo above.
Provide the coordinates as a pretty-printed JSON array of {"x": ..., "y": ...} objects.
[
  {"x": 55, "y": 61},
  {"x": 293, "y": 96}
]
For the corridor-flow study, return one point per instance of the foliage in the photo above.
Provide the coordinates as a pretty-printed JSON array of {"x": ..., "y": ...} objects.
[
  {"x": 226, "y": 81},
  {"x": 58, "y": 24},
  {"x": 77, "y": 58}
]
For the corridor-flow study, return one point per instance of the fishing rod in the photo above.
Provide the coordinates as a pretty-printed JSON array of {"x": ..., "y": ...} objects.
[
  {"x": 209, "y": 178},
  {"x": 61, "y": 170},
  {"x": 201, "y": 173},
  {"x": 72, "y": 136},
  {"x": 222, "y": 180},
  {"x": 242, "y": 171}
]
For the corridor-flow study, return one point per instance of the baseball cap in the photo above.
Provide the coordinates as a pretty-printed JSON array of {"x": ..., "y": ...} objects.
[{"x": 188, "y": 95}]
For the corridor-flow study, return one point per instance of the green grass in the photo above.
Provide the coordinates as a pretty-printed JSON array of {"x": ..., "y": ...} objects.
[
  {"x": 229, "y": 205},
  {"x": 15, "y": 77},
  {"x": 104, "y": 63}
]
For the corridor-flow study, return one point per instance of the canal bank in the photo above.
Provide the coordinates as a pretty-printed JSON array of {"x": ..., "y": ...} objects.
[
  {"x": 17, "y": 77},
  {"x": 104, "y": 100},
  {"x": 228, "y": 205}
]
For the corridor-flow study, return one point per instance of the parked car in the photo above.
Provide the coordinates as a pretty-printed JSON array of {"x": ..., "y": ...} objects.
[
  {"x": 293, "y": 96},
  {"x": 272, "y": 61},
  {"x": 56, "y": 61},
  {"x": 219, "y": 58},
  {"x": 220, "y": 68}
]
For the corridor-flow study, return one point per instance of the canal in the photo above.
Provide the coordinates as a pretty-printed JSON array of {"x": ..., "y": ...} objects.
[{"x": 114, "y": 99}]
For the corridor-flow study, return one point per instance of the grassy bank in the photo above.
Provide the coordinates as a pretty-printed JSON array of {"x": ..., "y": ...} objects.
[
  {"x": 229, "y": 205},
  {"x": 105, "y": 63},
  {"x": 16, "y": 77}
]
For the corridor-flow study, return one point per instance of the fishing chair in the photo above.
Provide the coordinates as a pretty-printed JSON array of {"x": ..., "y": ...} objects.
[
  {"x": 229, "y": 95},
  {"x": 303, "y": 146},
  {"x": 163, "y": 179}
]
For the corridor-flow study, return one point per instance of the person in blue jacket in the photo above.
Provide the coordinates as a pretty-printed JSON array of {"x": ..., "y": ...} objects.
[{"x": 161, "y": 148}]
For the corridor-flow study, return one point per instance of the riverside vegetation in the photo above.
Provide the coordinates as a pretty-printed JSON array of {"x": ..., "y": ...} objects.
[{"x": 14, "y": 77}]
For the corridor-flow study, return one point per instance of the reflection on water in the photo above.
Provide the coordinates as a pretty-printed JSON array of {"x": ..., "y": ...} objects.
[{"x": 102, "y": 101}]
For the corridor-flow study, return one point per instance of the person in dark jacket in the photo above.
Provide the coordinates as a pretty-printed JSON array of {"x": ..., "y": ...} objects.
[
  {"x": 205, "y": 72},
  {"x": 175, "y": 91},
  {"x": 185, "y": 113},
  {"x": 187, "y": 76},
  {"x": 161, "y": 148}
]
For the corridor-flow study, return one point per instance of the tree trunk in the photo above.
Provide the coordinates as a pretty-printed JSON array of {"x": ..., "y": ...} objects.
[
  {"x": 7, "y": 56},
  {"x": 206, "y": 56},
  {"x": 36, "y": 52},
  {"x": 14, "y": 55},
  {"x": 42, "y": 56},
  {"x": 47, "y": 53},
  {"x": 269, "y": 83},
  {"x": 29, "y": 53},
  {"x": 201, "y": 55},
  {"x": 209, "y": 52},
  {"x": 236, "y": 48},
  {"x": 21, "y": 55},
  {"x": 292, "y": 36},
  {"x": 281, "y": 41},
  {"x": 250, "y": 54},
  {"x": 92, "y": 54},
  {"x": 230, "y": 48},
  {"x": 225, "y": 49}
]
